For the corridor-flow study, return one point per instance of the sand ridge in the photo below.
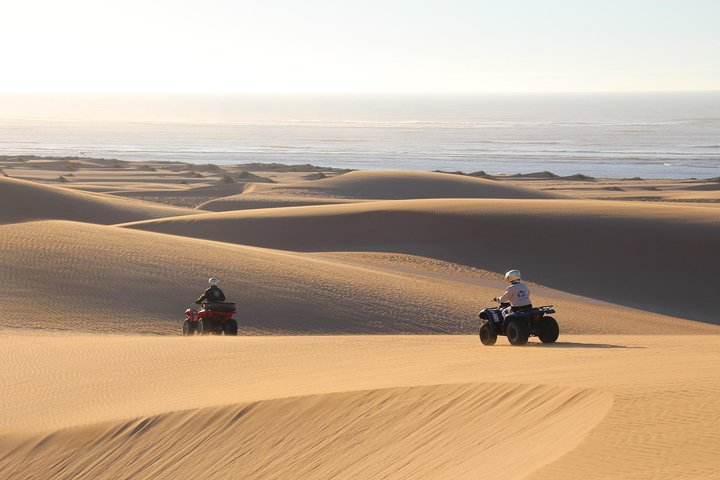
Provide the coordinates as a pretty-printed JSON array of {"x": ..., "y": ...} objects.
[
  {"x": 98, "y": 278},
  {"x": 98, "y": 383},
  {"x": 365, "y": 185},
  {"x": 604, "y": 250},
  {"x": 309, "y": 395},
  {"x": 422, "y": 421},
  {"x": 24, "y": 200}
]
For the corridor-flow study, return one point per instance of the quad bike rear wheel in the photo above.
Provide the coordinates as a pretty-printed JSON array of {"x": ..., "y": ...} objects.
[
  {"x": 188, "y": 328},
  {"x": 231, "y": 327},
  {"x": 517, "y": 332},
  {"x": 549, "y": 330},
  {"x": 488, "y": 336}
]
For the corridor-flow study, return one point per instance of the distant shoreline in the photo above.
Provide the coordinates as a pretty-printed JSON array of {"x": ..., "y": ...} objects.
[
  {"x": 670, "y": 136},
  {"x": 284, "y": 168}
]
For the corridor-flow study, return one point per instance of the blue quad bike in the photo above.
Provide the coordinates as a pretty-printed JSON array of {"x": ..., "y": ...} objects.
[{"x": 518, "y": 326}]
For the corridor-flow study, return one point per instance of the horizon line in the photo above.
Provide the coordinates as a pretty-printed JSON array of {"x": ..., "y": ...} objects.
[{"x": 343, "y": 93}]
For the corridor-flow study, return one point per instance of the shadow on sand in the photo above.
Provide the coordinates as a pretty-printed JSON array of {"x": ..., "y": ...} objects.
[{"x": 578, "y": 345}]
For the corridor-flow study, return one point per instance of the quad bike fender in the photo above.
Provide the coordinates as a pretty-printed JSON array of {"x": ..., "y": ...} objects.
[
  {"x": 191, "y": 314},
  {"x": 492, "y": 315}
]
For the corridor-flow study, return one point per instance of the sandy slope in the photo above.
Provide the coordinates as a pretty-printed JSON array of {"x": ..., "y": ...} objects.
[
  {"x": 329, "y": 436},
  {"x": 705, "y": 191},
  {"x": 101, "y": 405},
  {"x": 23, "y": 200},
  {"x": 67, "y": 275},
  {"x": 358, "y": 407},
  {"x": 384, "y": 185},
  {"x": 631, "y": 253},
  {"x": 252, "y": 200}
]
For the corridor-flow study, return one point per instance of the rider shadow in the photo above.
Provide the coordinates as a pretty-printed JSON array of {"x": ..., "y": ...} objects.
[{"x": 579, "y": 345}]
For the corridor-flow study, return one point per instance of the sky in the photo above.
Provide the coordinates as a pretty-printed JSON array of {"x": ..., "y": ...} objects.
[{"x": 359, "y": 46}]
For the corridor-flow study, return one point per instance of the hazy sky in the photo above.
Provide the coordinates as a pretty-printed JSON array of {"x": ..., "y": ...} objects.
[{"x": 359, "y": 45}]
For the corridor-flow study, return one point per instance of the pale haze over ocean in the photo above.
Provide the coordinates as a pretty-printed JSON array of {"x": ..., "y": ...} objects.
[
  {"x": 369, "y": 84},
  {"x": 650, "y": 135}
]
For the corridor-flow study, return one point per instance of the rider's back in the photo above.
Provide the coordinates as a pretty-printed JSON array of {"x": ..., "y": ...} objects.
[
  {"x": 212, "y": 294},
  {"x": 517, "y": 294}
]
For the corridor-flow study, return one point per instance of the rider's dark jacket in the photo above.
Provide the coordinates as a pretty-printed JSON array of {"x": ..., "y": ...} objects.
[{"x": 212, "y": 294}]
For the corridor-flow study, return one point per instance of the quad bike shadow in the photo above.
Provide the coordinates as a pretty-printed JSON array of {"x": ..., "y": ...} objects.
[{"x": 214, "y": 318}]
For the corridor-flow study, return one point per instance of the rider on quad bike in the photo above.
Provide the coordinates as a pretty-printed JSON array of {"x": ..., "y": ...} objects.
[
  {"x": 516, "y": 318},
  {"x": 517, "y": 294},
  {"x": 213, "y": 293},
  {"x": 215, "y": 317}
]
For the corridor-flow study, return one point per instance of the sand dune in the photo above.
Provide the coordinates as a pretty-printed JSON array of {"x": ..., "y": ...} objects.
[
  {"x": 86, "y": 277},
  {"x": 253, "y": 201},
  {"x": 217, "y": 190},
  {"x": 189, "y": 197},
  {"x": 97, "y": 382},
  {"x": 421, "y": 421},
  {"x": 629, "y": 253},
  {"x": 23, "y": 200},
  {"x": 358, "y": 407},
  {"x": 385, "y": 185},
  {"x": 657, "y": 190},
  {"x": 74, "y": 276}
]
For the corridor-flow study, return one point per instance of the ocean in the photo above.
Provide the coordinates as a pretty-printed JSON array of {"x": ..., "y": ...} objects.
[{"x": 650, "y": 135}]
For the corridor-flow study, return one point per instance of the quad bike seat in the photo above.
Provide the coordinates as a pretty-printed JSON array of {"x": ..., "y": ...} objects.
[{"x": 219, "y": 306}]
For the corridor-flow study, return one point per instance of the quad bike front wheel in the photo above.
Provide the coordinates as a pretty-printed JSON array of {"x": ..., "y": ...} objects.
[
  {"x": 488, "y": 336},
  {"x": 188, "y": 328},
  {"x": 548, "y": 331},
  {"x": 204, "y": 327},
  {"x": 517, "y": 332}
]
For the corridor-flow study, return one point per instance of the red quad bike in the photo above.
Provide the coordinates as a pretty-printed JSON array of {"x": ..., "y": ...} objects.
[{"x": 215, "y": 318}]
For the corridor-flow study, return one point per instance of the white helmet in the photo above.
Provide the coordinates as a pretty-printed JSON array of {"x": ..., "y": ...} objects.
[
  {"x": 213, "y": 281},
  {"x": 512, "y": 275}
]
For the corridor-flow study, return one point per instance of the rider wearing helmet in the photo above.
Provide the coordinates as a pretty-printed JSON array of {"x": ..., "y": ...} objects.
[
  {"x": 517, "y": 293},
  {"x": 212, "y": 294}
]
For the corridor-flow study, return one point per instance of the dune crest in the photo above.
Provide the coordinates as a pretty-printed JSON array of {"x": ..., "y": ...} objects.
[
  {"x": 630, "y": 253},
  {"x": 366, "y": 185},
  {"x": 77, "y": 276},
  {"x": 441, "y": 431},
  {"x": 25, "y": 201}
]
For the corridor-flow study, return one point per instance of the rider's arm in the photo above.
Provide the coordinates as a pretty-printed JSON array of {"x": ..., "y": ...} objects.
[{"x": 506, "y": 296}]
